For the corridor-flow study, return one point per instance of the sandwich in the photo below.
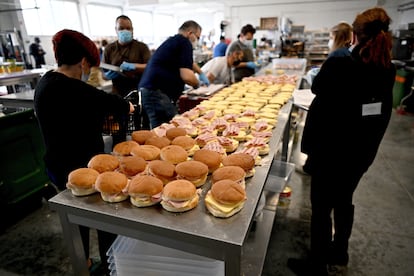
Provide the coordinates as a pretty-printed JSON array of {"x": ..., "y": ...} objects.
[
  {"x": 243, "y": 160},
  {"x": 175, "y": 132},
  {"x": 259, "y": 143},
  {"x": 157, "y": 141},
  {"x": 124, "y": 148},
  {"x": 225, "y": 198},
  {"x": 103, "y": 163},
  {"x": 163, "y": 170},
  {"x": 112, "y": 186},
  {"x": 194, "y": 171},
  {"x": 140, "y": 136},
  {"x": 186, "y": 143},
  {"x": 147, "y": 152},
  {"x": 179, "y": 196},
  {"x": 132, "y": 165},
  {"x": 228, "y": 144},
  {"x": 234, "y": 173},
  {"x": 145, "y": 190},
  {"x": 234, "y": 132},
  {"x": 211, "y": 158},
  {"x": 174, "y": 154},
  {"x": 81, "y": 181}
]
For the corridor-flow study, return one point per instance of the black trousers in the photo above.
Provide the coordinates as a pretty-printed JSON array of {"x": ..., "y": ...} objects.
[{"x": 331, "y": 193}]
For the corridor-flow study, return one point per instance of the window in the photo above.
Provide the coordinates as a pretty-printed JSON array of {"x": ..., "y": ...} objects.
[
  {"x": 164, "y": 27},
  {"x": 143, "y": 25},
  {"x": 102, "y": 19},
  {"x": 50, "y": 17}
]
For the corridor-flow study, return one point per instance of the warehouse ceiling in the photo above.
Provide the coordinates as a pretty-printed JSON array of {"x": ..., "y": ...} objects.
[{"x": 209, "y": 6}]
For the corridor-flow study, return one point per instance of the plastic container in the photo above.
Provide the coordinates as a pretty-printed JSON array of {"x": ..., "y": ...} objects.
[
  {"x": 296, "y": 64},
  {"x": 279, "y": 175},
  {"x": 403, "y": 81},
  {"x": 22, "y": 169},
  {"x": 128, "y": 256}
]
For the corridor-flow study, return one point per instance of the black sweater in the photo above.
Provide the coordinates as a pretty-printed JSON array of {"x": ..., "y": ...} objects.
[
  {"x": 337, "y": 136},
  {"x": 71, "y": 114}
]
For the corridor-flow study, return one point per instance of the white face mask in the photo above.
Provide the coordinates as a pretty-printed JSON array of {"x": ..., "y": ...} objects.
[
  {"x": 248, "y": 43},
  {"x": 194, "y": 43},
  {"x": 330, "y": 44}
]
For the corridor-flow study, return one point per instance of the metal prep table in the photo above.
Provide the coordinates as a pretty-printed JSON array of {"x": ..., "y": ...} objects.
[
  {"x": 20, "y": 99},
  {"x": 26, "y": 76},
  {"x": 194, "y": 231}
]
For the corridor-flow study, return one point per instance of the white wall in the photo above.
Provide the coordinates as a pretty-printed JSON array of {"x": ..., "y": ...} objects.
[{"x": 322, "y": 15}]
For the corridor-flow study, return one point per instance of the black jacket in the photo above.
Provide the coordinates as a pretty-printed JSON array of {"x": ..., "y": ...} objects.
[
  {"x": 337, "y": 136},
  {"x": 71, "y": 115}
]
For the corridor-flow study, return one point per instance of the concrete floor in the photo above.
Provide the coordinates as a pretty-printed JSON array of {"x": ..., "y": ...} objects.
[{"x": 382, "y": 241}]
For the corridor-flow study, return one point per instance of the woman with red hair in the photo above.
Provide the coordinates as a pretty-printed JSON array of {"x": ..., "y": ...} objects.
[{"x": 71, "y": 115}]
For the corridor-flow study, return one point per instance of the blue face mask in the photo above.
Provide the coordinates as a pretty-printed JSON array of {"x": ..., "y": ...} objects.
[{"x": 124, "y": 36}]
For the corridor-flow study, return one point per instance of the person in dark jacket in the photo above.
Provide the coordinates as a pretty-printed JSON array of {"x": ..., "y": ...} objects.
[
  {"x": 169, "y": 69},
  {"x": 37, "y": 52},
  {"x": 71, "y": 115},
  {"x": 344, "y": 127}
]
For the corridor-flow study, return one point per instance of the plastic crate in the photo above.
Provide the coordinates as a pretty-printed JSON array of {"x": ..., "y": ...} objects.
[
  {"x": 114, "y": 124},
  {"x": 129, "y": 256}
]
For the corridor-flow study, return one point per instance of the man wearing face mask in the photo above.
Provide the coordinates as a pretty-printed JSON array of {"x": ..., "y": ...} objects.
[
  {"x": 132, "y": 57},
  {"x": 247, "y": 66},
  {"x": 71, "y": 115},
  {"x": 219, "y": 70},
  {"x": 169, "y": 69}
]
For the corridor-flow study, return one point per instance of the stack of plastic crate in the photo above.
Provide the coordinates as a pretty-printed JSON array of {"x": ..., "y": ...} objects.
[{"x": 128, "y": 256}]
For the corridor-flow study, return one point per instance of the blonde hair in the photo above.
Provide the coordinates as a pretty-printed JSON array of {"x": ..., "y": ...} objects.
[{"x": 342, "y": 33}]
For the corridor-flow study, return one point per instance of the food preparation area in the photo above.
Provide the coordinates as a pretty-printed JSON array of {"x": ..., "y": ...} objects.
[{"x": 382, "y": 241}]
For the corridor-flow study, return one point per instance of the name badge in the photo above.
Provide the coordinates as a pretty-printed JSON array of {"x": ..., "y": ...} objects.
[{"x": 371, "y": 109}]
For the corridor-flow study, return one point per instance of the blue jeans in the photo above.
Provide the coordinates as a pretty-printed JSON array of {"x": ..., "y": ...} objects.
[{"x": 158, "y": 106}]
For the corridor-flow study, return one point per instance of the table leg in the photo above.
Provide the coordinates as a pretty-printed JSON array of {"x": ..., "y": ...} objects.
[{"x": 72, "y": 237}]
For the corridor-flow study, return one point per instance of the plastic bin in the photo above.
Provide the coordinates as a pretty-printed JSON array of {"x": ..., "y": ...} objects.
[
  {"x": 402, "y": 84},
  {"x": 279, "y": 175},
  {"x": 128, "y": 256},
  {"x": 22, "y": 169}
]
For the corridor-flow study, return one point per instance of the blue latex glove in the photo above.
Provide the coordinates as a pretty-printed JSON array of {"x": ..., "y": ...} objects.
[
  {"x": 110, "y": 75},
  {"x": 203, "y": 79},
  {"x": 126, "y": 66},
  {"x": 251, "y": 65}
]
